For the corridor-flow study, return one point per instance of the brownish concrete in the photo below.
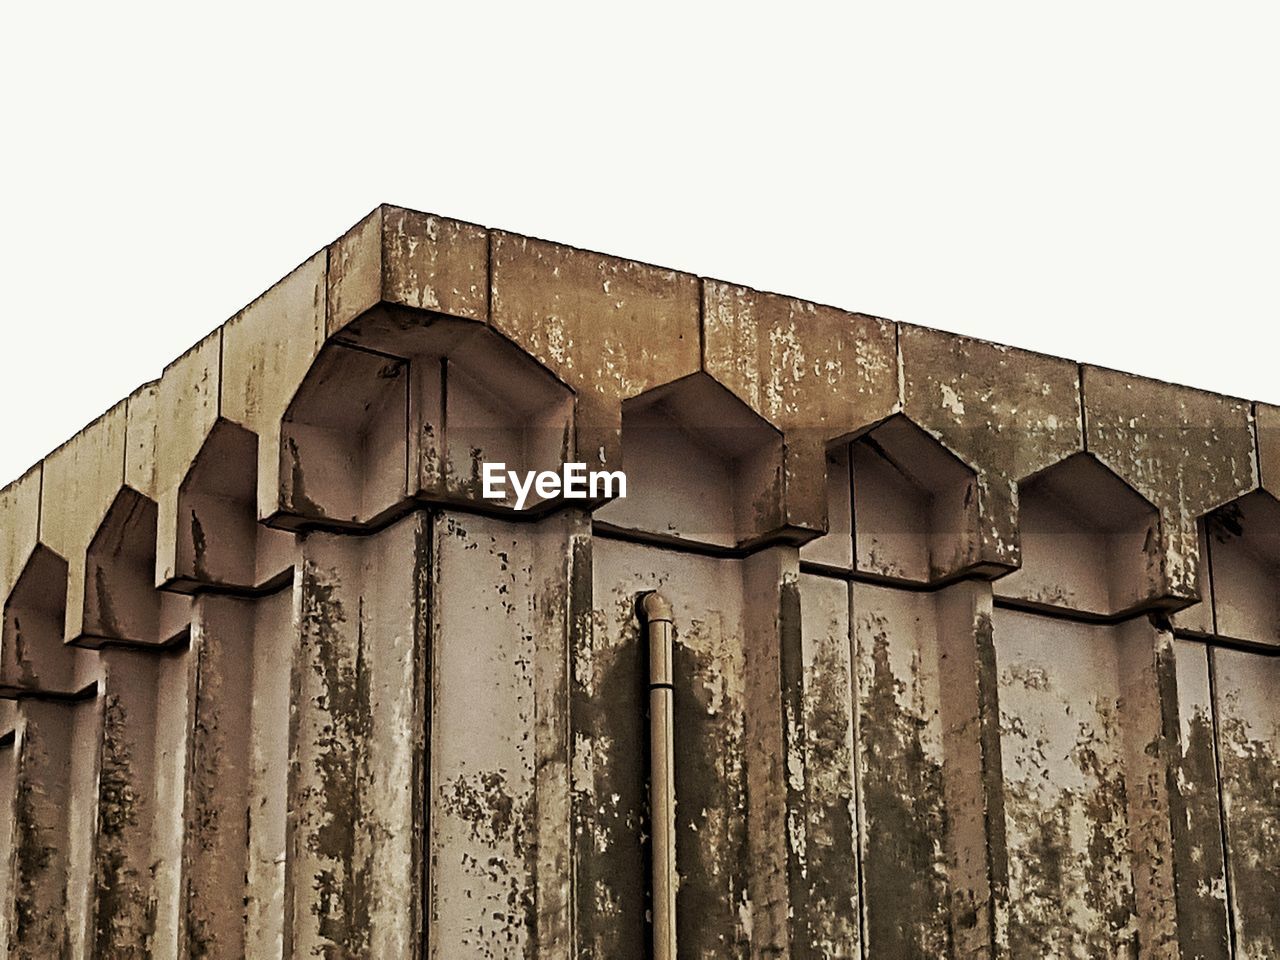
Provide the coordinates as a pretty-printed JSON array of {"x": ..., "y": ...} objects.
[{"x": 975, "y": 649}]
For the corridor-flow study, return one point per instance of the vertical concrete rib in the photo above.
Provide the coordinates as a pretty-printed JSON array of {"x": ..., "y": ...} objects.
[
  {"x": 932, "y": 840},
  {"x": 141, "y": 780},
  {"x": 356, "y": 742},
  {"x": 41, "y": 780},
  {"x": 275, "y": 629},
  {"x": 1249, "y": 751},
  {"x": 828, "y": 907},
  {"x": 222, "y": 640},
  {"x": 500, "y": 833},
  {"x": 972, "y": 785},
  {"x": 233, "y": 837},
  {"x": 8, "y": 800},
  {"x": 1198, "y": 849}
]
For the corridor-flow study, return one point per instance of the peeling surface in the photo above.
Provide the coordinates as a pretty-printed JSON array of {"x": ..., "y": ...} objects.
[
  {"x": 610, "y": 801},
  {"x": 1066, "y": 802},
  {"x": 711, "y": 838},
  {"x": 829, "y": 910},
  {"x": 815, "y": 372},
  {"x": 357, "y": 737},
  {"x": 1249, "y": 752},
  {"x": 217, "y": 814},
  {"x": 1185, "y": 450},
  {"x": 1006, "y": 412},
  {"x": 435, "y": 742},
  {"x": 590, "y": 319},
  {"x": 40, "y": 909},
  {"x": 904, "y": 816},
  {"x": 124, "y": 916},
  {"x": 484, "y": 753},
  {"x": 1199, "y": 864},
  {"x": 409, "y": 259}
]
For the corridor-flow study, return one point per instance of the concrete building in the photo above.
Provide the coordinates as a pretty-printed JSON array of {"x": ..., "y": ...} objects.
[{"x": 974, "y": 649}]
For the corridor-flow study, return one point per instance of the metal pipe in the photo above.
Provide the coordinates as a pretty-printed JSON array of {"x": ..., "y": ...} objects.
[{"x": 662, "y": 781}]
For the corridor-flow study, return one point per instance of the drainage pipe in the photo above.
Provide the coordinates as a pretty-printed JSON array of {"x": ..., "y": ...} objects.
[{"x": 662, "y": 782}]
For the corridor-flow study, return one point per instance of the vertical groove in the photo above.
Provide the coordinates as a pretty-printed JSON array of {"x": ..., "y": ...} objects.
[
  {"x": 430, "y": 627},
  {"x": 443, "y": 457},
  {"x": 856, "y": 753},
  {"x": 572, "y": 612},
  {"x": 858, "y": 820},
  {"x": 195, "y": 649},
  {"x": 1223, "y": 830},
  {"x": 424, "y": 621},
  {"x": 411, "y": 483}
]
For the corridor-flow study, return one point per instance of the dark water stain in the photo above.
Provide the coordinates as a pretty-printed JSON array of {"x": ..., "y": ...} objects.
[
  {"x": 499, "y": 822},
  {"x": 988, "y": 690},
  {"x": 124, "y": 921},
  {"x": 906, "y": 889},
  {"x": 1036, "y": 928},
  {"x": 1108, "y": 881},
  {"x": 39, "y": 898},
  {"x": 795, "y": 775},
  {"x": 299, "y": 502},
  {"x": 829, "y": 908},
  {"x": 341, "y": 900},
  {"x": 1058, "y": 872},
  {"x": 1199, "y": 863},
  {"x": 485, "y": 804},
  {"x": 202, "y": 821},
  {"x": 767, "y": 508},
  {"x": 711, "y": 839},
  {"x": 19, "y": 653},
  {"x": 108, "y": 622},
  {"x": 608, "y": 701},
  {"x": 199, "y": 547},
  {"x": 425, "y": 577},
  {"x": 205, "y": 823},
  {"x": 1251, "y": 785},
  {"x": 1226, "y": 523}
]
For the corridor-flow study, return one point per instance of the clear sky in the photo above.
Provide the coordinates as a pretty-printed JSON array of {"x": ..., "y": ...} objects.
[{"x": 1094, "y": 180}]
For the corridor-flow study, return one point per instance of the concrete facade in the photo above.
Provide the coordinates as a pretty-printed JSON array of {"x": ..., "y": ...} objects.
[{"x": 975, "y": 649}]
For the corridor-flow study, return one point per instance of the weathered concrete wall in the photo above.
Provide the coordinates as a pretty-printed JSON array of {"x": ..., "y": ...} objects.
[{"x": 976, "y": 651}]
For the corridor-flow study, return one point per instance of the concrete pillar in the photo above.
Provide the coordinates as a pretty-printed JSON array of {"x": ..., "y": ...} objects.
[
  {"x": 510, "y": 599},
  {"x": 234, "y": 807},
  {"x": 357, "y": 742}
]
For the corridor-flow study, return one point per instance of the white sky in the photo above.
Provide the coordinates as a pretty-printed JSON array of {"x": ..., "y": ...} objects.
[{"x": 1094, "y": 180}]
